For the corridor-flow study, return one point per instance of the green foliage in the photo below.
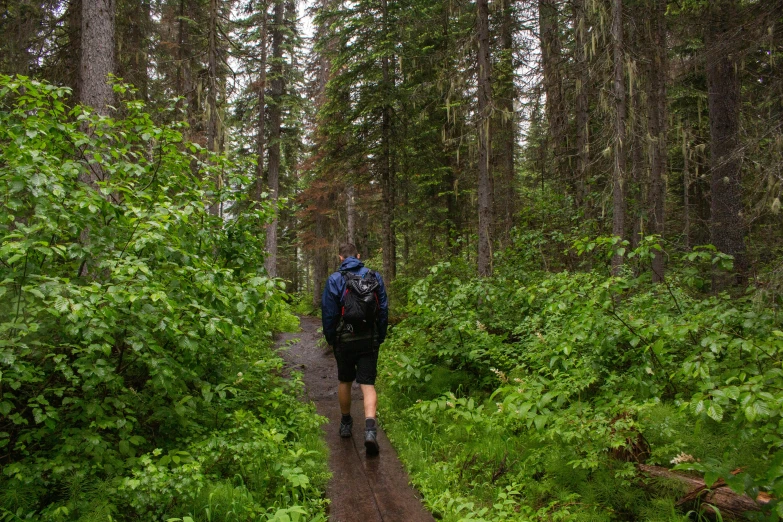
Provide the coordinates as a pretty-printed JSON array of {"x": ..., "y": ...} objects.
[
  {"x": 302, "y": 304},
  {"x": 137, "y": 380},
  {"x": 572, "y": 374}
]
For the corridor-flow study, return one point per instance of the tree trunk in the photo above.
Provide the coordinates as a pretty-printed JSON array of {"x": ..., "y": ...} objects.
[
  {"x": 133, "y": 27},
  {"x": 184, "y": 72},
  {"x": 321, "y": 202},
  {"x": 636, "y": 188},
  {"x": 295, "y": 283},
  {"x": 350, "y": 213},
  {"x": 97, "y": 62},
  {"x": 387, "y": 174},
  {"x": 504, "y": 123},
  {"x": 275, "y": 116},
  {"x": 686, "y": 187},
  {"x": 727, "y": 229},
  {"x": 212, "y": 115},
  {"x": 320, "y": 258},
  {"x": 731, "y": 505},
  {"x": 406, "y": 233},
  {"x": 582, "y": 104},
  {"x": 97, "y": 42},
  {"x": 73, "y": 49},
  {"x": 453, "y": 210},
  {"x": 618, "y": 173},
  {"x": 261, "y": 112},
  {"x": 97, "y": 50},
  {"x": 182, "y": 36},
  {"x": 553, "y": 85},
  {"x": 212, "y": 58},
  {"x": 185, "y": 67},
  {"x": 20, "y": 21},
  {"x": 393, "y": 189},
  {"x": 657, "y": 130},
  {"x": 450, "y": 150},
  {"x": 484, "y": 178}
]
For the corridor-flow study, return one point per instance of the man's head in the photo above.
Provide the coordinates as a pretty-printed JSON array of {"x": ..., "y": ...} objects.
[{"x": 348, "y": 250}]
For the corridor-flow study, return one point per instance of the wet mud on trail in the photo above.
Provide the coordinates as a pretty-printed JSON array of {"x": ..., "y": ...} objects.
[{"x": 363, "y": 488}]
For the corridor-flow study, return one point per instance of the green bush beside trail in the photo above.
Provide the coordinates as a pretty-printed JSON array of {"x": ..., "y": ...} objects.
[
  {"x": 137, "y": 376},
  {"x": 532, "y": 395}
]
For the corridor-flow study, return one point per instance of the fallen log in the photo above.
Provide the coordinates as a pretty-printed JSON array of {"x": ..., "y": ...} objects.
[{"x": 730, "y": 504}]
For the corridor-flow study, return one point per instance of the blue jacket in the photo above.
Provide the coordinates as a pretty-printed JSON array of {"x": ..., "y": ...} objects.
[{"x": 331, "y": 301}]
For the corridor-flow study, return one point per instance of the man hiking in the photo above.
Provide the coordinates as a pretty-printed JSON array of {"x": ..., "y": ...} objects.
[{"x": 355, "y": 314}]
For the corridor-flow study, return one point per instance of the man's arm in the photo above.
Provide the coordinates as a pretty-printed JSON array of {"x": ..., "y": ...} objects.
[
  {"x": 383, "y": 315},
  {"x": 330, "y": 310}
]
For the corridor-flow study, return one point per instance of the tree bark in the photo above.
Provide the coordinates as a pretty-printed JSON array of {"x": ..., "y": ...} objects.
[
  {"x": 275, "y": 122},
  {"x": 350, "y": 213},
  {"x": 730, "y": 504},
  {"x": 450, "y": 148},
  {"x": 386, "y": 170},
  {"x": 212, "y": 86},
  {"x": 321, "y": 199},
  {"x": 179, "y": 75},
  {"x": 618, "y": 173},
  {"x": 636, "y": 188},
  {"x": 556, "y": 115},
  {"x": 97, "y": 50},
  {"x": 212, "y": 58},
  {"x": 686, "y": 187},
  {"x": 261, "y": 112},
  {"x": 484, "y": 178},
  {"x": 393, "y": 192},
  {"x": 727, "y": 227},
  {"x": 183, "y": 79},
  {"x": 582, "y": 103},
  {"x": 657, "y": 129},
  {"x": 406, "y": 232},
  {"x": 504, "y": 132},
  {"x": 73, "y": 49},
  {"x": 20, "y": 24},
  {"x": 453, "y": 210},
  {"x": 132, "y": 34},
  {"x": 97, "y": 62},
  {"x": 320, "y": 257}
]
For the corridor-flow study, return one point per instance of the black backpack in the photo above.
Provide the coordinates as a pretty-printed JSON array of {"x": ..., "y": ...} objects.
[{"x": 360, "y": 300}]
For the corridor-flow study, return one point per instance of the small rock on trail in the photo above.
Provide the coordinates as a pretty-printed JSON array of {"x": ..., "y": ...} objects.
[{"x": 363, "y": 488}]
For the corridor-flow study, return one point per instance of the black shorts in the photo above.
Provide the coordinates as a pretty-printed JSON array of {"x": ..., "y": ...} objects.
[{"x": 357, "y": 361}]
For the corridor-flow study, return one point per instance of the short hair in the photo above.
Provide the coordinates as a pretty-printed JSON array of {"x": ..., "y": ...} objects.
[{"x": 348, "y": 250}]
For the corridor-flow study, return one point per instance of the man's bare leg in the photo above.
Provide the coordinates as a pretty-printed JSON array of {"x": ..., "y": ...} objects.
[
  {"x": 370, "y": 400},
  {"x": 344, "y": 397},
  {"x": 371, "y": 430}
]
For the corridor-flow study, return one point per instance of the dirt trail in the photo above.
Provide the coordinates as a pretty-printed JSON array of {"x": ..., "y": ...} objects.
[{"x": 362, "y": 489}]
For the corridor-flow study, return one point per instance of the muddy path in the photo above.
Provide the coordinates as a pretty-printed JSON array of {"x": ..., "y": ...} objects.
[{"x": 362, "y": 489}]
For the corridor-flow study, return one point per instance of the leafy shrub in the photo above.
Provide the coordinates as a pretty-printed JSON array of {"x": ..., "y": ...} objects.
[
  {"x": 129, "y": 313},
  {"x": 574, "y": 373},
  {"x": 302, "y": 304}
]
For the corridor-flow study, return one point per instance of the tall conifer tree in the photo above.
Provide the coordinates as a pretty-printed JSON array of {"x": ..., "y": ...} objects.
[{"x": 483, "y": 106}]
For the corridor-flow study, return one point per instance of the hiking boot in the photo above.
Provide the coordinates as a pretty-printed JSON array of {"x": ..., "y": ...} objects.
[
  {"x": 371, "y": 441},
  {"x": 346, "y": 427}
]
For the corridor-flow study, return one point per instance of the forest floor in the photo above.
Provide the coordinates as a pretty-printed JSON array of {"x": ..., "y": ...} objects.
[{"x": 363, "y": 488}]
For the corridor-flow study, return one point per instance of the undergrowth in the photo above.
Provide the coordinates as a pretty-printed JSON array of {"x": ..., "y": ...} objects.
[
  {"x": 137, "y": 376},
  {"x": 534, "y": 395}
]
